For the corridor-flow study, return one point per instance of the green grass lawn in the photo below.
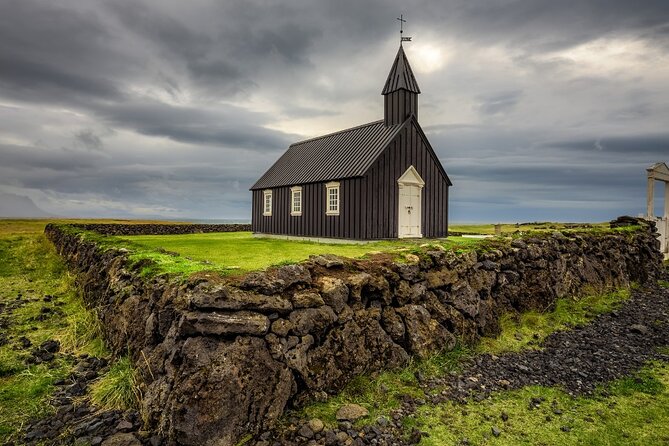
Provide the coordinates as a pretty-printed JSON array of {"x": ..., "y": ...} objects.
[{"x": 241, "y": 252}]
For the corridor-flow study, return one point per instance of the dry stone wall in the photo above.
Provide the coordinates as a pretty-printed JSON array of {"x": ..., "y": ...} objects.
[
  {"x": 160, "y": 228},
  {"x": 220, "y": 358}
]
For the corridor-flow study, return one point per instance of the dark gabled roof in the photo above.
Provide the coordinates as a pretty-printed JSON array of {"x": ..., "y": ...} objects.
[
  {"x": 400, "y": 76},
  {"x": 344, "y": 154}
]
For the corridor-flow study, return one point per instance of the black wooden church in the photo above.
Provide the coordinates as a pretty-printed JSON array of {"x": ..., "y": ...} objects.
[{"x": 380, "y": 180}]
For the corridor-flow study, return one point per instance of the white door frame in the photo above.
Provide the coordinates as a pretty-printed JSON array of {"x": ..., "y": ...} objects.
[{"x": 410, "y": 179}]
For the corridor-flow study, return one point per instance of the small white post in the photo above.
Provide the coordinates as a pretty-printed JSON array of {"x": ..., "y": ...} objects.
[
  {"x": 666, "y": 199},
  {"x": 649, "y": 197}
]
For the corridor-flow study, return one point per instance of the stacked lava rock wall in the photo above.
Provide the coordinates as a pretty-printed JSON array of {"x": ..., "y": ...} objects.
[{"x": 223, "y": 357}]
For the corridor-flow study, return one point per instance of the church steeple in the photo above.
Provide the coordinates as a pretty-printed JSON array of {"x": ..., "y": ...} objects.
[{"x": 400, "y": 94}]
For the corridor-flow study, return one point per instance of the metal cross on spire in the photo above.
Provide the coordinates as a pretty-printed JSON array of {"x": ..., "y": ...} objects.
[{"x": 402, "y": 22}]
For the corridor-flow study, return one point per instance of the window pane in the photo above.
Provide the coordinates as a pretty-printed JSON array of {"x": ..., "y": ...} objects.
[
  {"x": 333, "y": 199},
  {"x": 297, "y": 201}
]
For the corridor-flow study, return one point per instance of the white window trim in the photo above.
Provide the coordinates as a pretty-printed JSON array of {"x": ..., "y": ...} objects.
[
  {"x": 293, "y": 190},
  {"x": 328, "y": 187},
  {"x": 265, "y": 212}
]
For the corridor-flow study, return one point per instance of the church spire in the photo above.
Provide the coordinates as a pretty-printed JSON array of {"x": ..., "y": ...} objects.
[
  {"x": 400, "y": 91},
  {"x": 400, "y": 75}
]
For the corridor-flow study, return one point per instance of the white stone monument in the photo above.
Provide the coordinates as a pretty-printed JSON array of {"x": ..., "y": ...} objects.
[{"x": 659, "y": 172}]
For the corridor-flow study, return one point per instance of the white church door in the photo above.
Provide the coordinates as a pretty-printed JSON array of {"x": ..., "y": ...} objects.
[{"x": 410, "y": 194}]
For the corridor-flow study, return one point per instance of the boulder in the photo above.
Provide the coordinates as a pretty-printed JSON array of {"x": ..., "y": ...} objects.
[
  {"x": 328, "y": 260},
  {"x": 392, "y": 324},
  {"x": 351, "y": 412},
  {"x": 464, "y": 298},
  {"x": 406, "y": 271},
  {"x": 351, "y": 350},
  {"x": 356, "y": 282},
  {"x": 296, "y": 357},
  {"x": 122, "y": 439}
]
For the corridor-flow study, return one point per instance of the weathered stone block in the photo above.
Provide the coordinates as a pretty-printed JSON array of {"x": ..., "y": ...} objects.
[
  {"x": 328, "y": 260},
  {"x": 392, "y": 324},
  {"x": 224, "y": 390},
  {"x": 312, "y": 320},
  {"x": 277, "y": 280},
  {"x": 227, "y": 297},
  {"x": 281, "y": 327},
  {"x": 334, "y": 292},
  {"x": 355, "y": 283},
  {"x": 424, "y": 334},
  {"x": 222, "y": 324},
  {"x": 440, "y": 278},
  {"x": 464, "y": 298},
  {"x": 307, "y": 299}
]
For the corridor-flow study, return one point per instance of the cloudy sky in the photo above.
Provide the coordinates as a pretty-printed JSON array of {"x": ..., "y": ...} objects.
[{"x": 539, "y": 110}]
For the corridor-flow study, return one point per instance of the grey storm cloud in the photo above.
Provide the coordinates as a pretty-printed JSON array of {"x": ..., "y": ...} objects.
[
  {"x": 645, "y": 145},
  {"x": 227, "y": 126},
  {"x": 537, "y": 109}
]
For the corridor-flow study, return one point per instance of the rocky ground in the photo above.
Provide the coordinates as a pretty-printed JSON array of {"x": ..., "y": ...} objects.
[
  {"x": 75, "y": 420},
  {"x": 610, "y": 347},
  {"x": 613, "y": 345}
]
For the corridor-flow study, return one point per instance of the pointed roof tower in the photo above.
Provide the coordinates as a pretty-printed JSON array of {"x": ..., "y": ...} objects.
[
  {"x": 400, "y": 94},
  {"x": 401, "y": 76}
]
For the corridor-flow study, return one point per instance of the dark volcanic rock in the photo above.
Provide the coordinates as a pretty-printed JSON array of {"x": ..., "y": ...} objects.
[
  {"x": 425, "y": 335},
  {"x": 212, "y": 400},
  {"x": 240, "y": 322},
  {"x": 226, "y": 297}
]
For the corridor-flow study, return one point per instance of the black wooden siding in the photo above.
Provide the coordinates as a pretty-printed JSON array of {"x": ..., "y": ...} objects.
[
  {"x": 369, "y": 204},
  {"x": 313, "y": 222},
  {"x": 398, "y": 106}
]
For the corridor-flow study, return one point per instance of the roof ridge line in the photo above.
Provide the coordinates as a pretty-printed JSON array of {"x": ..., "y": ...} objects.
[{"x": 336, "y": 133}]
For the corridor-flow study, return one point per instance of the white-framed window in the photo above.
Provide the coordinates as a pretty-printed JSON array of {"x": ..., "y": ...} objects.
[
  {"x": 296, "y": 201},
  {"x": 332, "y": 198},
  {"x": 267, "y": 202}
]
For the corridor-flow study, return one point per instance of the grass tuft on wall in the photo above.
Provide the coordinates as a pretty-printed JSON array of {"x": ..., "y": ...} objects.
[{"x": 117, "y": 389}]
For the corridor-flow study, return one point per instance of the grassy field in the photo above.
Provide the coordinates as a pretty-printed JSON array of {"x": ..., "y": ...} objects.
[
  {"x": 38, "y": 302},
  {"x": 241, "y": 252}
]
